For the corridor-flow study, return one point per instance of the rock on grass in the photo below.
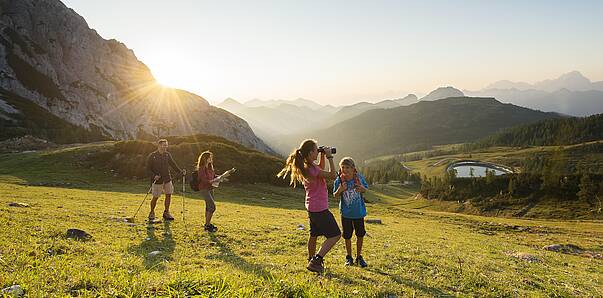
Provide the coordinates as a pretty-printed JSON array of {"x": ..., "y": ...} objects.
[
  {"x": 14, "y": 290},
  {"x": 374, "y": 221},
  {"x": 530, "y": 258},
  {"x": 78, "y": 234},
  {"x": 572, "y": 250}
]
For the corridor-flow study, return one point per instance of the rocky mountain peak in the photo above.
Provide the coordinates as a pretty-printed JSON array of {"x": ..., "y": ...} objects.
[{"x": 50, "y": 56}]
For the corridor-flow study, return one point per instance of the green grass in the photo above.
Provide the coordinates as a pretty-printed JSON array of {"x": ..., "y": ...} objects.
[
  {"x": 573, "y": 156},
  {"x": 259, "y": 251},
  {"x": 512, "y": 157},
  {"x": 435, "y": 150}
]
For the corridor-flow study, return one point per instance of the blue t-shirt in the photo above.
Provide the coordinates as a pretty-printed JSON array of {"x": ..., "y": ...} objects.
[{"x": 351, "y": 203}]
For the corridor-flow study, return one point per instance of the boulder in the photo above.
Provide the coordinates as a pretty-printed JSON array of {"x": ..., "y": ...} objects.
[
  {"x": 564, "y": 248},
  {"x": 14, "y": 290},
  {"x": 530, "y": 258},
  {"x": 78, "y": 234}
]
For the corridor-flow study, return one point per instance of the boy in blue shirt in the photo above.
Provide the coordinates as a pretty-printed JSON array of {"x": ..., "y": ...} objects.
[{"x": 349, "y": 187}]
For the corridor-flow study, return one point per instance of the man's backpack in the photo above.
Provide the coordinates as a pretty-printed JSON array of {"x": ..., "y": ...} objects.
[{"x": 193, "y": 180}]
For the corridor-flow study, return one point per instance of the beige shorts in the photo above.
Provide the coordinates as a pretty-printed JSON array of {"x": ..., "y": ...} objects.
[{"x": 167, "y": 188}]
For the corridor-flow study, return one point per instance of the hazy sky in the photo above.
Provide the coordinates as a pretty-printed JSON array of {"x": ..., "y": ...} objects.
[{"x": 345, "y": 51}]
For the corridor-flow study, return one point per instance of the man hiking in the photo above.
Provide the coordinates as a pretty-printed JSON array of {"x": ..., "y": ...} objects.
[{"x": 158, "y": 164}]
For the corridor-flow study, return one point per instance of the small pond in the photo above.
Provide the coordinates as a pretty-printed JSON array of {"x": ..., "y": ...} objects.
[{"x": 466, "y": 169}]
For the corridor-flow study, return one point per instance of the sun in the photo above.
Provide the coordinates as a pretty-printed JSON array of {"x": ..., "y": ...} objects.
[
  {"x": 166, "y": 77},
  {"x": 170, "y": 70}
]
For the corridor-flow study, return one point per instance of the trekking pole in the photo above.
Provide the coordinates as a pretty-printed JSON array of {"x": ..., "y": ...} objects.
[
  {"x": 131, "y": 219},
  {"x": 183, "y": 192}
]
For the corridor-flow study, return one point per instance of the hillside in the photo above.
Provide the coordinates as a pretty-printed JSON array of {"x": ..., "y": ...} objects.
[
  {"x": 19, "y": 117},
  {"x": 350, "y": 111},
  {"x": 421, "y": 125},
  {"x": 443, "y": 92},
  {"x": 50, "y": 57},
  {"x": 562, "y": 131},
  {"x": 127, "y": 160},
  {"x": 547, "y": 182},
  {"x": 260, "y": 248}
]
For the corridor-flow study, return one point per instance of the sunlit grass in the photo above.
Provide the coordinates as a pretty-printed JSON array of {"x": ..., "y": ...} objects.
[{"x": 259, "y": 250}]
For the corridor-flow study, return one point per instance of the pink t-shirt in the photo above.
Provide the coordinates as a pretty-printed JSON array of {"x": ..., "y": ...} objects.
[{"x": 317, "y": 198}]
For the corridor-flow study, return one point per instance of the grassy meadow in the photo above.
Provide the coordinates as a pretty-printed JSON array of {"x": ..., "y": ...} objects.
[
  {"x": 510, "y": 156},
  {"x": 260, "y": 248}
]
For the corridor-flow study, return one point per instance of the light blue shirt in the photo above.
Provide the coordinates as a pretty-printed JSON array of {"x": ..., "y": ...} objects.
[{"x": 351, "y": 203}]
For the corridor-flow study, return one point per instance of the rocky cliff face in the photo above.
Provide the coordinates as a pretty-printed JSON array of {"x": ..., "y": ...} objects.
[{"x": 50, "y": 56}]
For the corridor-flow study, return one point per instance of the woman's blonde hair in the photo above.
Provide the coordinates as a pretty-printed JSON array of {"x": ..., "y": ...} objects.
[
  {"x": 297, "y": 163},
  {"x": 203, "y": 158}
]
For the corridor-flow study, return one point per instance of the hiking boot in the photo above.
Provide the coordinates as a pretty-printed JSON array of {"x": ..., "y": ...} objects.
[
  {"x": 210, "y": 228},
  {"x": 167, "y": 216},
  {"x": 316, "y": 264},
  {"x": 360, "y": 261},
  {"x": 151, "y": 216},
  {"x": 349, "y": 261}
]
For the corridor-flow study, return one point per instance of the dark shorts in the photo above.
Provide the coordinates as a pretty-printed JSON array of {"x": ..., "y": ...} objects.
[
  {"x": 323, "y": 224},
  {"x": 349, "y": 225}
]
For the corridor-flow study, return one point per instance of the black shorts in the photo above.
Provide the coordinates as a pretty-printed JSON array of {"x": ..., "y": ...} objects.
[
  {"x": 323, "y": 224},
  {"x": 349, "y": 225}
]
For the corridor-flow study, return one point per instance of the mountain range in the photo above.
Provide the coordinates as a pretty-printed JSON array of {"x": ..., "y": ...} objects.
[
  {"x": 573, "y": 80},
  {"x": 570, "y": 94},
  {"x": 564, "y": 101},
  {"x": 418, "y": 126},
  {"x": 273, "y": 119}
]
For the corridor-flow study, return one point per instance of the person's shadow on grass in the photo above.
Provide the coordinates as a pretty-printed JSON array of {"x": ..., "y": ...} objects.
[
  {"x": 227, "y": 255},
  {"x": 156, "y": 252}
]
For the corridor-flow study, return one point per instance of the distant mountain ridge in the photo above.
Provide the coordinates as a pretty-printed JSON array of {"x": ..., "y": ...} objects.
[
  {"x": 573, "y": 80},
  {"x": 426, "y": 123},
  {"x": 271, "y": 119},
  {"x": 300, "y": 102},
  {"x": 351, "y": 111},
  {"x": 562, "y": 101},
  {"x": 443, "y": 92},
  {"x": 570, "y": 94}
]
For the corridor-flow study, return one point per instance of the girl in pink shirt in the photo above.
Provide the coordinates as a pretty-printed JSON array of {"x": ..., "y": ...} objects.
[{"x": 303, "y": 169}]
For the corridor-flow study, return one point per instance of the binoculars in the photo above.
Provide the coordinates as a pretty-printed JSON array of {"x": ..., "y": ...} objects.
[{"x": 322, "y": 149}]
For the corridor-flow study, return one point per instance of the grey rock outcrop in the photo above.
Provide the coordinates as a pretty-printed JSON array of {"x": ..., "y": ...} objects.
[{"x": 50, "y": 56}]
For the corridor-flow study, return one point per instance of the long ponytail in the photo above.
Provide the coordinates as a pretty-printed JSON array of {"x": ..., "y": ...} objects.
[{"x": 297, "y": 163}]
